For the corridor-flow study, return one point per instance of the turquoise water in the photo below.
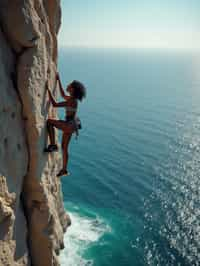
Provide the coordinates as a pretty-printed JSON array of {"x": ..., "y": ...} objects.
[{"x": 134, "y": 189}]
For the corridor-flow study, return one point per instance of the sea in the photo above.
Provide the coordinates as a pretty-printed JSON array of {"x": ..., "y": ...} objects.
[{"x": 133, "y": 193}]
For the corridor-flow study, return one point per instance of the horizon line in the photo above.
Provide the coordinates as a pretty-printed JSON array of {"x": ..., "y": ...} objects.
[{"x": 195, "y": 49}]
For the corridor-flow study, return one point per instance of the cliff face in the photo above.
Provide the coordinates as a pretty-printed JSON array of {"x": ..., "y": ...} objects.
[{"x": 32, "y": 217}]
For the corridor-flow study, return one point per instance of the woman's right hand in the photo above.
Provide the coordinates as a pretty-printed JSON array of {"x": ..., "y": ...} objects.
[
  {"x": 57, "y": 76},
  {"x": 47, "y": 85}
]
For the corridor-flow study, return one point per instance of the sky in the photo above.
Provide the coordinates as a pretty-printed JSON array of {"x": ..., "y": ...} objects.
[{"x": 171, "y": 24}]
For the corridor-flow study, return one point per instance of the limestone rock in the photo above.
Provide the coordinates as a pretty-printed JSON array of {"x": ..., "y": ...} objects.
[{"x": 32, "y": 216}]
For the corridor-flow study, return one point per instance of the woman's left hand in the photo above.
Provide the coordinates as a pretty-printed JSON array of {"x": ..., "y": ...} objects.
[
  {"x": 57, "y": 76},
  {"x": 49, "y": 92}
]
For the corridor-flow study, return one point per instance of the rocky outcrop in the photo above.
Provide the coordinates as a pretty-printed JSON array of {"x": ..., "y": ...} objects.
[{"x": 32, "y": 216}]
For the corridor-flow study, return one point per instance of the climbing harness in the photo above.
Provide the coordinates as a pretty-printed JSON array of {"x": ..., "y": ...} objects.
[
  {"x": 78, "y": 126},
  {"x": 75, "y": 121}
]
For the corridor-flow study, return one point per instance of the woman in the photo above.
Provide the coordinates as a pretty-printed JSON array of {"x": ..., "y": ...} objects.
[{"x": 71, "y": 124}]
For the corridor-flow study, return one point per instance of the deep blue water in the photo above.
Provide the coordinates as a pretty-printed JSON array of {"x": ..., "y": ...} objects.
[{"x": 134, "y": 189}]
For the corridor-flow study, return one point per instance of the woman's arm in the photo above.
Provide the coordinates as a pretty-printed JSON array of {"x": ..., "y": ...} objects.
[
  {"x": 52, "y": 100},
  {"x": 60, "y": 86}
]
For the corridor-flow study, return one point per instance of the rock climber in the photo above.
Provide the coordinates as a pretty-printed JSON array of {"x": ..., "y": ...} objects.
[{"x": 76, "y": 91}]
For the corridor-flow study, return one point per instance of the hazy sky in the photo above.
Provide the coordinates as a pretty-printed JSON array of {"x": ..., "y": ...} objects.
[{"x": 131, "y": 23}]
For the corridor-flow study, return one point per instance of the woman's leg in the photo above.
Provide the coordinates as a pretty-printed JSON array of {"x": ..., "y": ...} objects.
[
  {"x": 51, "y": 131},
  {"x": 67, "y": 133},
  {"x": 60, "y": 124},
  {"x": 65, "y": 143}
]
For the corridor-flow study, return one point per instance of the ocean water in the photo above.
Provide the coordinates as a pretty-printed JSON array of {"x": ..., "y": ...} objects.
[{"x": 134, "y": 190}]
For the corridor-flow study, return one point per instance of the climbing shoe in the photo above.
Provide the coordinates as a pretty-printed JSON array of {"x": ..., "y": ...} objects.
[
  {"x": 63, "y": 172},
  {"x": 51, "y": 148}
]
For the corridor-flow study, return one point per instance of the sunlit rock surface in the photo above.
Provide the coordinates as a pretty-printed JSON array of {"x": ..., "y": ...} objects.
[{"x": 32, "y": 216}]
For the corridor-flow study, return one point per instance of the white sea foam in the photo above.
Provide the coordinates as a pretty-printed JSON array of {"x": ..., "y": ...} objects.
[{"x": 83, "y": 232}]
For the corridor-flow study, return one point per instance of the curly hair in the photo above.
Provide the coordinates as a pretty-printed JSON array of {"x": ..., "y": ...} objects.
[{"x": 79, "y": 90}]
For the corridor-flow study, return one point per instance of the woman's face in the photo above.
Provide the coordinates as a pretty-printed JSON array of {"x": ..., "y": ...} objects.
[{"x": 70, "y": 89}]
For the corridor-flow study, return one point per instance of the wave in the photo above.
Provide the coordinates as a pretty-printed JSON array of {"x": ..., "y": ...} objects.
[{"x": 80, "y": 236}]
